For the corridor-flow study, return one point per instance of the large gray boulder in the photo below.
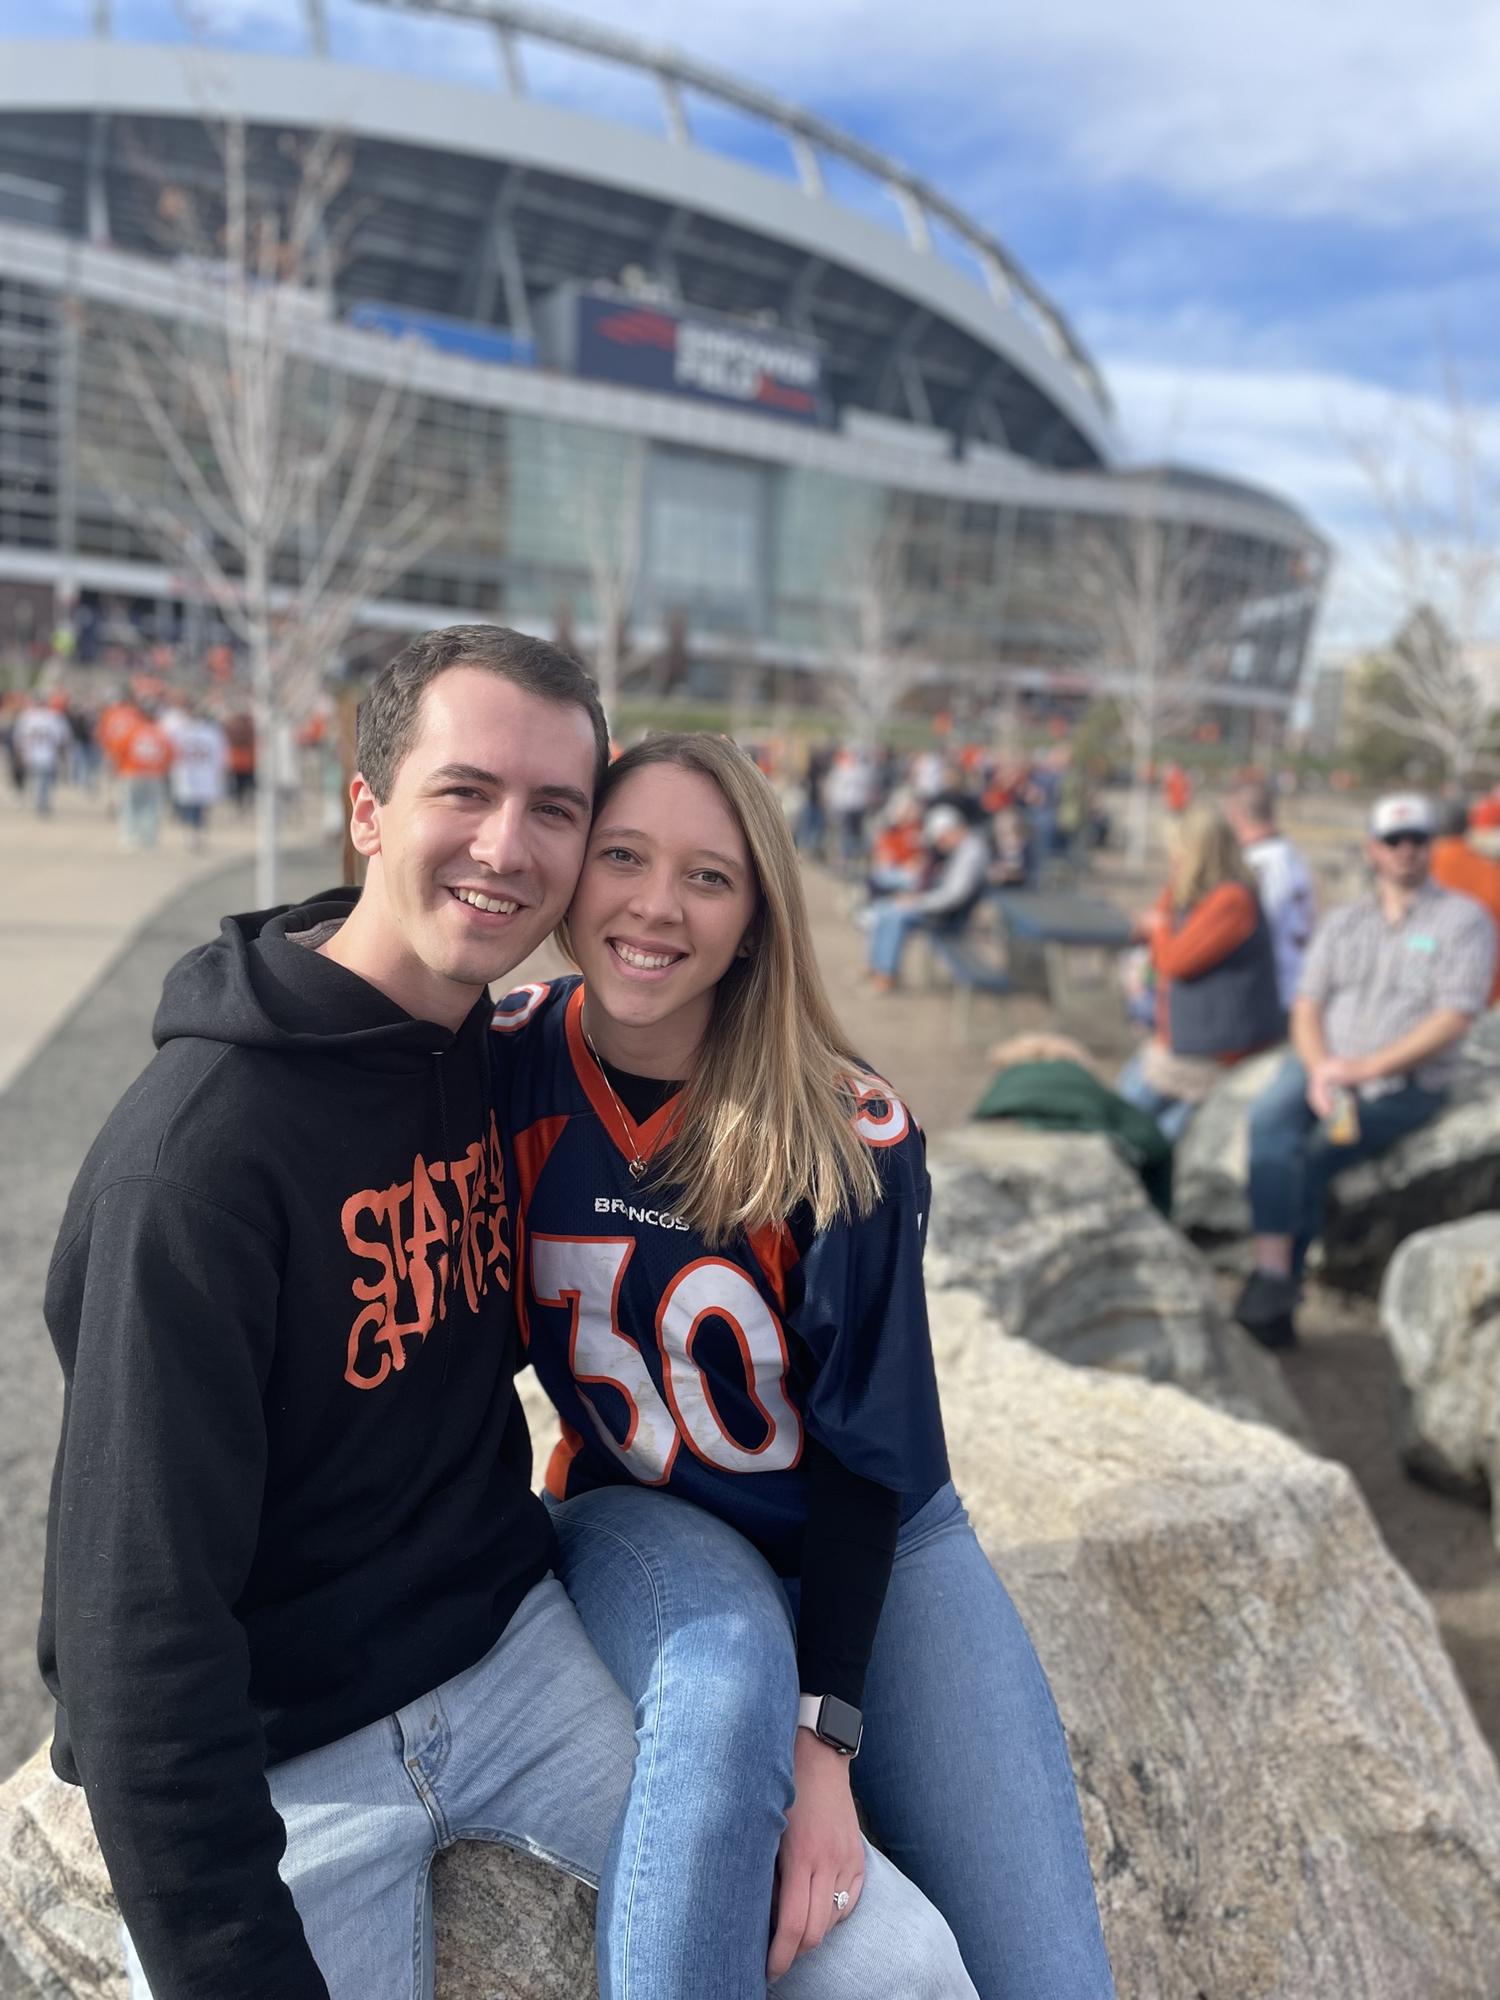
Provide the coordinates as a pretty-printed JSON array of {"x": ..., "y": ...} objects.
[
  {"x": 1284, "y": 1793},
  {"x": 507, "y": 1927},
  {"x": 1440, "y": 1310},
  {"x": 1211, "y": 1163},
  {"x": 1284, "y": 1790},
  {"x": 1054, "y": 1234}
]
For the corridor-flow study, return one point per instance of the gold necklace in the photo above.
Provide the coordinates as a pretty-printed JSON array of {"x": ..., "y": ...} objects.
[{"x": 637, "y": 1164}]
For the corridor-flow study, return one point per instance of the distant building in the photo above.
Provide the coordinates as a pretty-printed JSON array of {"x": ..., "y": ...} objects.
[{"x": 776, "y": 381}]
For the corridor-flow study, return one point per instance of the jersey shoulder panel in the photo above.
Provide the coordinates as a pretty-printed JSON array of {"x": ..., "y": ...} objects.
[{"x": 519, "y": 1012}]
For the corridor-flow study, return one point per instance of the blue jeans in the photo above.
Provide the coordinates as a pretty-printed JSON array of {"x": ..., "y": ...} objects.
[
  {"x": 1292, "y": 1160},
  {"x": 140, "y": 811},
  {"x": 532, "y": 1748},
  {"x": 1171, "y": 1113},
  {"x": 964, "y": 1774},
  {"x": 890, "y": 927}
]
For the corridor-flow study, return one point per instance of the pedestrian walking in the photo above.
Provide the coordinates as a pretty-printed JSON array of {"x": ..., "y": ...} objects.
[
  {"x": 145, "y": 757},
  {"x": 41, "y": 736}
]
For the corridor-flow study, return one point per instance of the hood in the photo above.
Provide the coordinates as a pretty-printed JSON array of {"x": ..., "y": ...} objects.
[{"x": 253, "y": 987}]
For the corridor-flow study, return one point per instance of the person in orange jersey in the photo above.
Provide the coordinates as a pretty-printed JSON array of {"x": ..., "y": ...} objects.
[
  {"x": 1459, "y": 866},
  {"x": 144, "y": 759}
]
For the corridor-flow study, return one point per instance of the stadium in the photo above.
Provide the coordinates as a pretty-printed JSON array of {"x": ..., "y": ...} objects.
[{"x": 794, "y": 404}]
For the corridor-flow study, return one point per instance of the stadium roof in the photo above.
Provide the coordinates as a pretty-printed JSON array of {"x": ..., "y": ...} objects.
[{"x": 477, "y": 203}]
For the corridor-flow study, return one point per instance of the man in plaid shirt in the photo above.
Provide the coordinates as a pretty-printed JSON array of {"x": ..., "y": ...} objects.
[{"x": 1389, "y": 989}]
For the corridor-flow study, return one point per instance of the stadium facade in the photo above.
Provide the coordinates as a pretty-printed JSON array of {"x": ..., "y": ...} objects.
[{"x": 759, "y": 396}]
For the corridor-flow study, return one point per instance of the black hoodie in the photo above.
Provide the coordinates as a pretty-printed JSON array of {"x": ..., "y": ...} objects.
[{"x": 293, "y": 1488}]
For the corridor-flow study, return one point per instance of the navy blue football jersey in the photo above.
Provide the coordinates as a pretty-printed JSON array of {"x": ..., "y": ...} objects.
[{"x": 702, "y": 1370}]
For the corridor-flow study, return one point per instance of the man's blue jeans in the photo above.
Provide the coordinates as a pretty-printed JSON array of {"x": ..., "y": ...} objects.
[
  {"x": 532, "y": 1747},
  {"x": 964, "y": 1771},
  {"x": 1292, "y": 1159},
  {"x": 890, "y": 926}
]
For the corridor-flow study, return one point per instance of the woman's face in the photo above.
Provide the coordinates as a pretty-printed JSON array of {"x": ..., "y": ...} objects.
[{"x": 666, "y": 896}]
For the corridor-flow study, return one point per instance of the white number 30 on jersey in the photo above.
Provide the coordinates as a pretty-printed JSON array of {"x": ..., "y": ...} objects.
[{"x": 582, "y": 1274}]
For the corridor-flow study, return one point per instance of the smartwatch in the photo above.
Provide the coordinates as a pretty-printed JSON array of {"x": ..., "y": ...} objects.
[{"x": 837, "y": 1723}]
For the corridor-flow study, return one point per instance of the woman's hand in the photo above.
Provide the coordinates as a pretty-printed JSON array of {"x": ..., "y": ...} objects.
[{"x": 821, "y": 1852}]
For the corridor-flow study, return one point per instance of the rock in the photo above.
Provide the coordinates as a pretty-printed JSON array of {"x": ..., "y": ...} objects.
[
  {"x": 1051, "y": 1229},
  {"x": 1446, "y": 1171},
  {"x": 1212, "y": 1159},
  {"x": 507, "y": 1927},
  {"x": 1284, "y": 1793},
  {"x": 1440, "y": 1309}
]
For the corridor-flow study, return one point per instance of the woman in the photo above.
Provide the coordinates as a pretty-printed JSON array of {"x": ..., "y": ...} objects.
[
  {"x": 1214, "y": 962},
  {"x": 720, "y": 1220}
]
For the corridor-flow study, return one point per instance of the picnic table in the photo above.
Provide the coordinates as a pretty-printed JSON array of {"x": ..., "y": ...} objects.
[{"x": 1047, "y": 933}]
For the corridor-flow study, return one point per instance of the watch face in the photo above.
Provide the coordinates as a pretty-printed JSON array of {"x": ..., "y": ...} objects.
[{"x": 840, "y": 1723}]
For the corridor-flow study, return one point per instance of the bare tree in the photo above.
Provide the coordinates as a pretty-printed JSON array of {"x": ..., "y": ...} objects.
[
  {"x": 1436, "y": 484},
  {"x": 872, "y": 617},
  {"x": 290, "y": 503},
  {"x": 1139, "y": 596},
  {"x": 611, "y": 524}
]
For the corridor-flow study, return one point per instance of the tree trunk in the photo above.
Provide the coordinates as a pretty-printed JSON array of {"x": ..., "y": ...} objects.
[{"x": 266, "y": 709}]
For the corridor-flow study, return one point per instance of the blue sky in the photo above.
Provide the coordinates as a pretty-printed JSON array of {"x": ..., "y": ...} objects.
[{"x": 1275, "y": 228}]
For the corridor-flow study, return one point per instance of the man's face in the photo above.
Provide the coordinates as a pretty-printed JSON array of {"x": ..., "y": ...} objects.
[
  {"x": 1402, "y": 861},
  {"x": 474, "y": 855}
]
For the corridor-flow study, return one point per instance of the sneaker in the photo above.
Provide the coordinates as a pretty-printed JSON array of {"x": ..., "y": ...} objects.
[{"x": 1266, "y": 1307}]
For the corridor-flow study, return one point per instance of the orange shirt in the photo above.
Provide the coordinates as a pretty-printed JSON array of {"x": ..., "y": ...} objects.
[
  {"x": 146, "y": 752},
  {"x": 116, "y": 722},
  {"x": 1457, "y": 866},
  {"x": 897, "y": 846}
]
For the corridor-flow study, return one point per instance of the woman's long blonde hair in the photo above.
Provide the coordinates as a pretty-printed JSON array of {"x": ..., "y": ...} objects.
[
  {"x": 1205, "y": 854},
  {"x": 767, "y": 1117}
]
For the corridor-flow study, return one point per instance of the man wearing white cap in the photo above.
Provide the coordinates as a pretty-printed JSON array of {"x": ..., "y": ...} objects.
[
  {"x": 1389, "y": 989},
  {"x": 964, "y": 861}
]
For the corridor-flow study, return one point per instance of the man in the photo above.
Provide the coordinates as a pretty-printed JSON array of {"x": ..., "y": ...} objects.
[
  {"x": 41, "y": 734},
  {"x": 1282, "y": 877},
  {"x": 963, "y": 858},
  {"x": 1458, "y": 865},
  {"x": 298, "y": 1613},
  {"x": 200, "y": 759},
  {"x": 143, "y": 760},
  {"x": 1390, "y": 987}
]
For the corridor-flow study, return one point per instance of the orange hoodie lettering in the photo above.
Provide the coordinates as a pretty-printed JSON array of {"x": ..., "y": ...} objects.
[{"x": 407, "y": 1237}]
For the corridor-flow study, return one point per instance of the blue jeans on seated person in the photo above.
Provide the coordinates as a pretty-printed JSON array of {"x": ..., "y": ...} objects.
[
  {"x": 963, "y": 1774},
  {"x": 890, "y": 925},
  {"x": 1292, "y": 1159},
  {"x": 533, "y": 1748},
  {"x": 1172, "y": 1114}
]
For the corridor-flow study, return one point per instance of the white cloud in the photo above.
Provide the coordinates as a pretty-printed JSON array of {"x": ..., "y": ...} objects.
[
  {"x": 1365, "y": 109},
  {"x": 1298, "y": 432}
]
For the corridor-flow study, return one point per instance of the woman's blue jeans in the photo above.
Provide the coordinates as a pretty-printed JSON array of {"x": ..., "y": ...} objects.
[
  {"x": 963, "y": 1775},
  {"x": 1172, "y": 1114}
]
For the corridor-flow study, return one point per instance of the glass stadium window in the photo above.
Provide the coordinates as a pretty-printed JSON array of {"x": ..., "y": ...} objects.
[{"x": 705, "y": 531}]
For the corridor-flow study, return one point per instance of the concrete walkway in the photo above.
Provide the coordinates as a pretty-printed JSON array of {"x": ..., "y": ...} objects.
[
  {"x": 71, "y": 896},
  {"x": 86, "y": 935}
]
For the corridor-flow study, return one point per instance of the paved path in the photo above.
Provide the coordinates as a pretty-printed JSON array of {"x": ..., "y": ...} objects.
[{"x": 86, "y": 935}]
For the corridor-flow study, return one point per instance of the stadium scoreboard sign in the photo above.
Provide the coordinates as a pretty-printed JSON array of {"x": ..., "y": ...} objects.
[{"x": 677, "y": 351}]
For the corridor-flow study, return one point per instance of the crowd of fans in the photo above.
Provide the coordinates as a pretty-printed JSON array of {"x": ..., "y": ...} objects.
[
  {"x": 1232, "y": 959},
  {"x": 155, "y": 754}
]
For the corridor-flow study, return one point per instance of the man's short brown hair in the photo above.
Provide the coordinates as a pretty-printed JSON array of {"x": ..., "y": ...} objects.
[{"x": 390, "y": 712}]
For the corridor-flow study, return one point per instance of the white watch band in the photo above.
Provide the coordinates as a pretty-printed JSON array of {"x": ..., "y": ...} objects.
[{"x": 809, "y": 1708}]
